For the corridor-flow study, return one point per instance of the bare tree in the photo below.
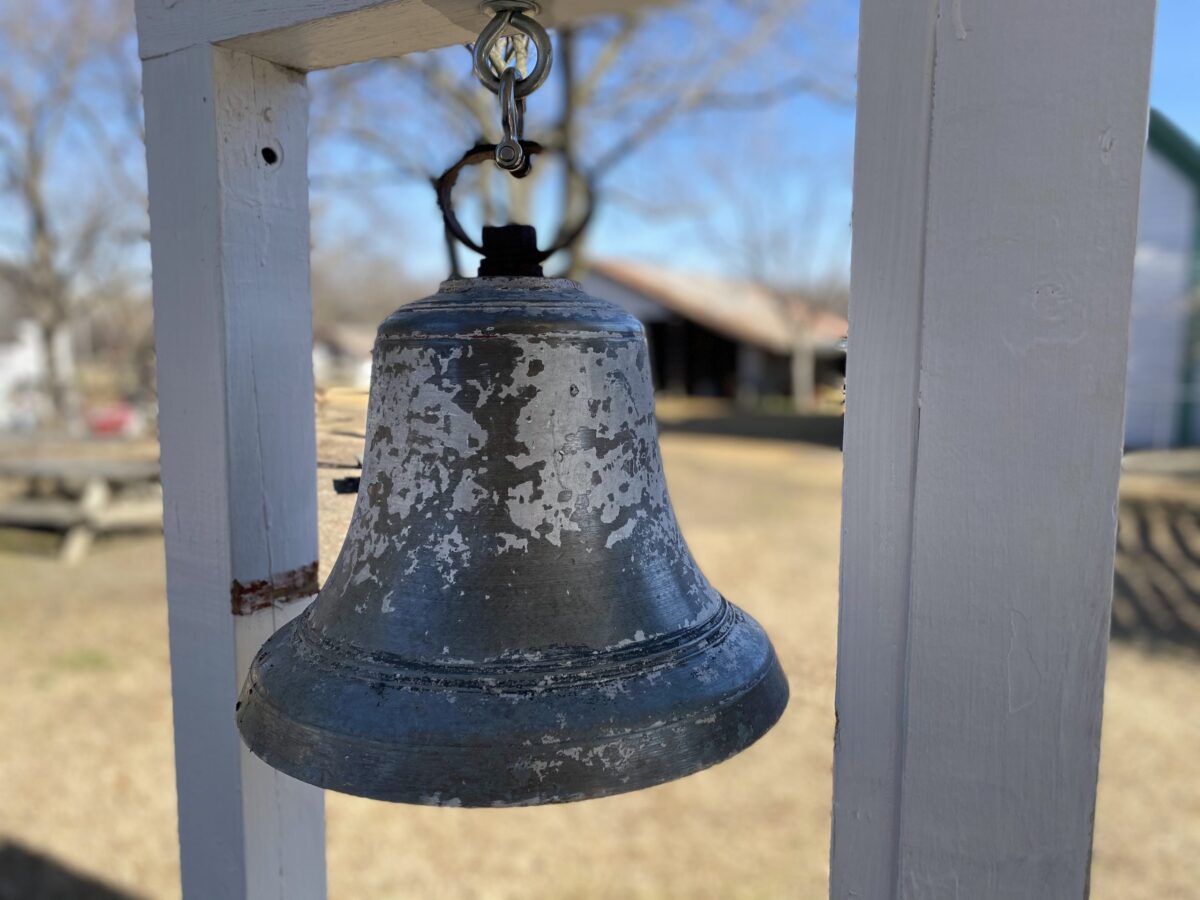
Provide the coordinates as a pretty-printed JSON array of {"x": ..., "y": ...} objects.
[
  {"x": 617, "y": 85},
  {"x": 71, "y": 175},
  {"x": 779, "y": 237}
]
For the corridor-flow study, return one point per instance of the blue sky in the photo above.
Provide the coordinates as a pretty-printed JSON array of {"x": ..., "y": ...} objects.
[
  {"x": 829, "y": 132},
  {"x": 1175, "y": 84},
  {"x": 795, "y": 159},
  {"x": 790, "y": 165},
  {"x": 706, "y": 173}
]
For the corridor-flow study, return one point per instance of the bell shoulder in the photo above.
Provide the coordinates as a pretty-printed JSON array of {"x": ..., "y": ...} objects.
[{"x": 467, "y": 308}]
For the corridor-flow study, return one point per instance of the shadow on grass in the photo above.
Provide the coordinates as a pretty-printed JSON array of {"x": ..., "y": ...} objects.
[
  {"x": 29, "y": 541},
  {"x": 825, "y": 430},
  {"x": 28, "y": 875},
  {"x": 1156, "y": 589}
]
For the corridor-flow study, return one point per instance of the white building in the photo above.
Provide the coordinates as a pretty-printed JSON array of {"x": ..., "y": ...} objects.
[
  {"x": 1163, "y": 391},
  {"x": 22, "y": 374}
]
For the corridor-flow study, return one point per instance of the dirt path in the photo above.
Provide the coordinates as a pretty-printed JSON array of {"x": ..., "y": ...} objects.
[{"x": 86, "y": 763}]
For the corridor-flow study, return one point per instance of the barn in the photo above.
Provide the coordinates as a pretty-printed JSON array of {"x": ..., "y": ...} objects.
[{"x": 719, "y": 337}]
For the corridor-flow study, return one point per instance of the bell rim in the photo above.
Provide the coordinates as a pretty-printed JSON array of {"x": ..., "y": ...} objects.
[
  {"x": 560, "y": 669},
  {"x": 705, "y": 732}
]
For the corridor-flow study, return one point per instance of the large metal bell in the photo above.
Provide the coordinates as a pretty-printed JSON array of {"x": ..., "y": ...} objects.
[{"x": 514, "y": 617}]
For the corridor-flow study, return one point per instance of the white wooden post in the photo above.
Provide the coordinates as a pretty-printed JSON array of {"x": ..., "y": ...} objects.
[
  {"x": 996, "y": 177},
  {"x": 227, "y": 152}
]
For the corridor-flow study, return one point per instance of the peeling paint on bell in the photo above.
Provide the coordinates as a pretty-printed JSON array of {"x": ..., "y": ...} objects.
[{"x": 514, "y": 617}]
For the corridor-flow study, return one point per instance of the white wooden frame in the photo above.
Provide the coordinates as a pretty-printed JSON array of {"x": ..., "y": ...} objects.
[{"x": 996, "y": 178}]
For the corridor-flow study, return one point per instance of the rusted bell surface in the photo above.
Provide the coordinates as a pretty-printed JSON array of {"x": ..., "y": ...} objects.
[{"x": 514, "y": 617}]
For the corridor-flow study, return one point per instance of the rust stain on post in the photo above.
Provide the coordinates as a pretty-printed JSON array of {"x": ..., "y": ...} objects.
[{"x": 295, "y": 584}]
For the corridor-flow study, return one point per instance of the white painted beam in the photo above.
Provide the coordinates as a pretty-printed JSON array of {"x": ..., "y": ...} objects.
[
  {"x": 891, "y": 163},
  {"x": 227, "y": 154},
  {"x": 320, "y": 34},
  {"x": 998, "y": 153}
]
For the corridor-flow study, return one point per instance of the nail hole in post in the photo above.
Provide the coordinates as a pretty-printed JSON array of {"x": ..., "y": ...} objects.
[{"x": 270, "y": 155}]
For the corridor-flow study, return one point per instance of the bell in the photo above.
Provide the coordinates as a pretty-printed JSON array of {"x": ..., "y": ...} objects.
[{"x": 514, "y": 617}]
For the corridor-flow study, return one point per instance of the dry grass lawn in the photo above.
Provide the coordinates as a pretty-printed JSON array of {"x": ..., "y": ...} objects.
[{"x": 86, "y": 762}]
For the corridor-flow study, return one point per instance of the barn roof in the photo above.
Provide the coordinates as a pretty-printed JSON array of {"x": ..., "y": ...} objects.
[
  {"x": 739, "y": 310},
  {"x": 1172, "y": 142}
]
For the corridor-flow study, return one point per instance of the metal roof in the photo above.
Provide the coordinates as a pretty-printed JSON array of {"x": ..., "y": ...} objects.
[
  {"x": 739, "y": 310},
  {"x": 1173, "y": 143}
]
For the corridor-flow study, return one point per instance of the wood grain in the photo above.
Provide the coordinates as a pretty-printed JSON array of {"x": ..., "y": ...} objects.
[{"x": 319, "y": 34}]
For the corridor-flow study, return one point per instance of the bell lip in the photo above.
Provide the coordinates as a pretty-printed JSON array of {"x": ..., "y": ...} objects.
[{"x": 684, "y": 722}]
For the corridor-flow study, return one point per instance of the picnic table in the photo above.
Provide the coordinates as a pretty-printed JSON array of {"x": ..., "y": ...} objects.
[{"x": 82, "y": 498}]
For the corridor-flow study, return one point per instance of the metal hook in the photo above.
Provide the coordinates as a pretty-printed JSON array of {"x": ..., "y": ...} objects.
[
  {"x": 506, "y": 81},
  {"x": 512, "y": 14},
  {"x": 510, "y": 155}
]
